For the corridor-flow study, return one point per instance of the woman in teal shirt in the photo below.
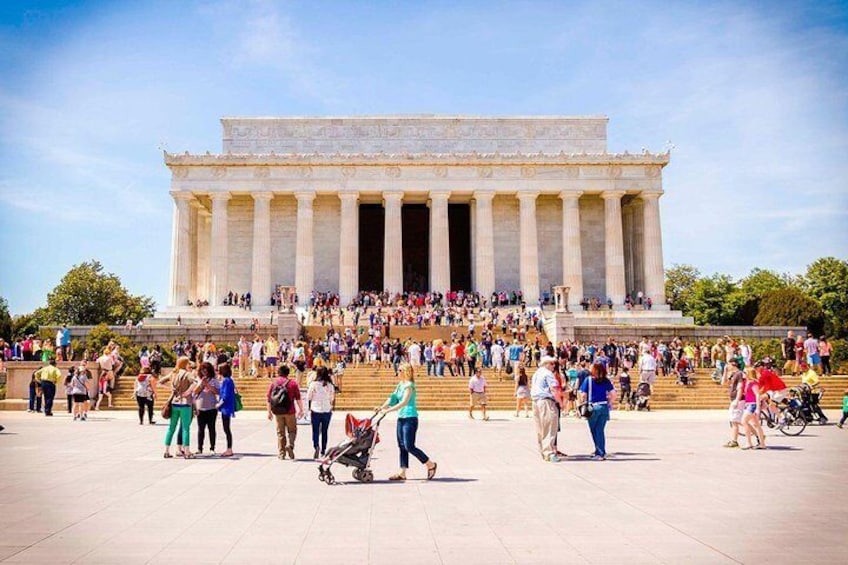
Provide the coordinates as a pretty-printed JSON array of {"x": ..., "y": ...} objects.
[{"x": 403, "y": 401}]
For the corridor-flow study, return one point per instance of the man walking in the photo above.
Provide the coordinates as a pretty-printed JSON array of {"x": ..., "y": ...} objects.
[
  {"x": 647, "y": 369},
  {"x": 477, "y": 388},
  {"x": 546, "y": 394},
  {"x": 49, "y": 376},
  {"x": 285, "y": 407}
]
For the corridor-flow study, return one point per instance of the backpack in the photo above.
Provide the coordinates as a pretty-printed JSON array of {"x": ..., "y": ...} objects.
[{"x": 280, "y": 402}]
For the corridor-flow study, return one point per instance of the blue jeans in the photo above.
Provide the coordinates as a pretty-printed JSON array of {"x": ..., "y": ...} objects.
[
  {"x": 597, "y": 423},
  {"x": 34, "y": 399},
  {"x": 48, "y": 390},
  {"x": 440, "y": 368},
  {"x": 320, "y": 426},
  {"x": 406, "y": 430}
]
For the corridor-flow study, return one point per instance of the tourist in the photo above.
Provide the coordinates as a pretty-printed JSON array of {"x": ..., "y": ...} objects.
[
  {"x": 498, "y": 358},
  {"x": 227, "y": 403},
  {"x": 106, "y": 363},
  {"x": 156, "y": 361},
  {"x": 48, "y": 376},
  {"x": 179, "y": 408},
  {"x": 522, "y": 392},
  {"x": 205, "y": 401},
  {"x": 145, "y": 394},
  {"x": 68, "y": 396},
  {"x": 787, "y": 348},
  {"x": 598, "y": 393},
  {"x": 811, "y": 348},
  {"x": 35, "y": 394},
  {"x": 243, "y": 348},
  {"x": 546, "y": 395},
  {"x": 79, "y": 392},
  {"x": 737, "y": 402},
  {"x": 271, "y": 350},
  {"x": 404, "y": 401},
  {"x": 625, "y": 388},
  {"x": 751, "y": 418},
  {"x": 824, "y": 352},
  {"x": 284, "y": 407},
  {"x": 844, "y": 409},
  {"x": 515, "y": 353},
  {"x": 256, "y": 351},
  {"x": 648, "y": 369},
  {"x": 772, "y": 390},
  {"x": 477, "y": 389},
  {"x": 320, "y": 397}
]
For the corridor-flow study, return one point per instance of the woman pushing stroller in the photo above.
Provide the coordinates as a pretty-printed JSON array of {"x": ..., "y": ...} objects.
[{"x": 403, "y": 400}]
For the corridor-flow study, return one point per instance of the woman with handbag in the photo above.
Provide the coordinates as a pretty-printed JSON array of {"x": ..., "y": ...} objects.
[
  {"x": 597, "y": 394},
  {"x": 227, "y": 403},
  {"x": 320, "y": 396},
  {"x": 178, "y": 407}
]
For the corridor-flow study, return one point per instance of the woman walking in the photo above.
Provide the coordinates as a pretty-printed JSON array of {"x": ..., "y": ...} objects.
[
  {"x": 320, "y": 397},
  {"x": 79, "y": 392},
  {"x": 598, "y": 393},
  {"x": 227, "y": 403},
  {"x": 522, "y": 392},
  {"x": 751, "y": 418},
  {"x": 180, "y": 406},
  {"x": 403, "y": 401},
  {"x": 205, "y": 400},
  {"x": 144, "y": 395}
]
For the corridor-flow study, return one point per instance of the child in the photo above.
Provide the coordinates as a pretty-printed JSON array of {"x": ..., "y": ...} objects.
[
  {"x": 844, "y": 409},
  {"x": 624, "y": 387}
]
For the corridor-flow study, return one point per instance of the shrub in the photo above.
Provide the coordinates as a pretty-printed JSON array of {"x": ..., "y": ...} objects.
[{"x": 790, "y": 307}]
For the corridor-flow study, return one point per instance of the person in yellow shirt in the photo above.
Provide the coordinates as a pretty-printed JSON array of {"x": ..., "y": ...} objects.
[
  {"x": 271, "y": 352},
  {"x": 810, "y": 377},
  {"x": 49, "y": 376}
]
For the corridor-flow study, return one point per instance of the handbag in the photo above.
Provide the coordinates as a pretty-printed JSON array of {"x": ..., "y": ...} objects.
[
  {"x": 166, "y": 409},
  {"x": 239, "y": 405},
  {"x": 585, "y": 410}
]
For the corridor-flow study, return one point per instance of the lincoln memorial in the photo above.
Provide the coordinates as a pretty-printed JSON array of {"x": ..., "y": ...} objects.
[{"x": 416, "y": 203}]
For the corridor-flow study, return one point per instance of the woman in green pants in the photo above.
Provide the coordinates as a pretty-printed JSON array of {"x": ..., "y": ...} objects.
[{"x": 182, "y": 391}]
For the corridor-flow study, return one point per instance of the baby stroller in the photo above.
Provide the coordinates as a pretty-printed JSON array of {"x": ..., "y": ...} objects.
[
  {"x": 810, "y": 408},
  {"x": 683, "y": 371},
  {"x": 641, "y": 399},
  {"x": 355, "y": 452}
]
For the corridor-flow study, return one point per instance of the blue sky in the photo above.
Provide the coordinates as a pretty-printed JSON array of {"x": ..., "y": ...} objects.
[{"x": 753, "y": 96}]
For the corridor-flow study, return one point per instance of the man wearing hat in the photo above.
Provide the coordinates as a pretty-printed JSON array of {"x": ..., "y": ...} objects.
[{"x": 546, "y": 395}]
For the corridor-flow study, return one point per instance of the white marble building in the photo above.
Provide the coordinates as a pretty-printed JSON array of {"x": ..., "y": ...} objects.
[{"x": 322, "y": 203}]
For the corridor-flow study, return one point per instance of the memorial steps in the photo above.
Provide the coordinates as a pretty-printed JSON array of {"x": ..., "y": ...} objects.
[{"x": 364, "y": 388}]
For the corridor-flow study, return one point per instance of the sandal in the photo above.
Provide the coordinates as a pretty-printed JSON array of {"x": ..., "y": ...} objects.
[
  {"x": 188, "y": 455},
  {"x": 397, "y": 477},
  {"x": 168, "y": 456},
  {"x": 431, "y": 472}
]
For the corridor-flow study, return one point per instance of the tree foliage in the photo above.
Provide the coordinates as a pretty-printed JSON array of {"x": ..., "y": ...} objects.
[
  {"x": 711, "y": 301},
  {"x": 5, "y": 320},
  {"x": 87, "y": 295},
  {"x": 790, "y": 307},
  {"x": 679, "y": 282},
  {"x": 826, "y": 281},
  {"x": 750, "y": 291}
]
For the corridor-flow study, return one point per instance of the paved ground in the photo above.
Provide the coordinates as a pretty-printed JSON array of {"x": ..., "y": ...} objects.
[{"x": 100, "y": 492}]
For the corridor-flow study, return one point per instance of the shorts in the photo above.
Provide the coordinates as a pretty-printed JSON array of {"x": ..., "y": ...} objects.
[
  {"x": 736, "y": 413},
  {"x": 814, "y": 359},
  {"x": 648, "y": 377},
  {"x": 300, "y": 365},
  {"x": 478, "y": 399},
  {"x": 80, "y": 398},
  {"x": 522, "y": 392},
  {"x": 777, "y": 395},
  {"x": 271, "y": 361},
  {"x": 751, "y": 408}
]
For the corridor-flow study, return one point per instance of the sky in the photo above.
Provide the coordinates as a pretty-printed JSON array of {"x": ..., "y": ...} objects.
[{"x": 752, "y": 98}]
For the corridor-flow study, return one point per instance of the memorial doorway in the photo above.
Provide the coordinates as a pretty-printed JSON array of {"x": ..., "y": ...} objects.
[
  {"x": 416, "y": 247},
  {"x": 459, "y": 228},
  {"x": 372, "y": 221}
]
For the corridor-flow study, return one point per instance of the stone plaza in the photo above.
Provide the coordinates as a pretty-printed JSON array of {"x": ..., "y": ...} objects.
[{"x": 100, "y": 492}]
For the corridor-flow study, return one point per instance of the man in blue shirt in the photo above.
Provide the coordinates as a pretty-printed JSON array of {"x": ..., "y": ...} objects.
[
  {"x": 546, "y": 395},
  {"x": 515, "y": 353}
]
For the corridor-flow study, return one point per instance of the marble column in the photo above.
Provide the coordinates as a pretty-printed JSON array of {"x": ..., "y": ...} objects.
[
  {"x": 614, "y": 246},
  {"x": 529, "y": 248},
  {"x": 652, "y": 249},
  {"x": 220, "y": 258},
  {"x": 484, "y": 259},
  {"x": 572, "y": 254},
  {"x": 304, "y": 262},
  {"x": 180, "y": 249},
  {"x": 194, "y": 240},
  {"x": 439, "y": 242},
  {"x": 204, "y": 240},
  {"x": 393, "y": 249},
  {"x": 260, "y": 279},
  {"x": 349, "y": 247}
]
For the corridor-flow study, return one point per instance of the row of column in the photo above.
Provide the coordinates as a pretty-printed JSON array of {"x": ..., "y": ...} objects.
[{"x": 211, "y": 231}]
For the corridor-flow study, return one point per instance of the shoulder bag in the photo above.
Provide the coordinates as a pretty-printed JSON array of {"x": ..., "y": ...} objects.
[{"x": 585, "y": 410}]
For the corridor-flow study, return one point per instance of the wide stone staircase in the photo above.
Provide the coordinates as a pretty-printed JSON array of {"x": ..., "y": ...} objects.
[{"x": 364, "y": 388}]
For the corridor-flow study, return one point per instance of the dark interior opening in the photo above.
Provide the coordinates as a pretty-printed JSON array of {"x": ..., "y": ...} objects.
[
  {"x": 459, "y": 227},
  {"x": 416, "y": 247},
  {"x": 372, "y": 221}
]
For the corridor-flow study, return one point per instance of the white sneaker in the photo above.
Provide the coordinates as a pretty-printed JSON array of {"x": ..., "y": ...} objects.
[{"x": 553, "y": 458}]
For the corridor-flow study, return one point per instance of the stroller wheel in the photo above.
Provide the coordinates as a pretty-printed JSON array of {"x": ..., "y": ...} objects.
[
  {"x": 367, "y": 476},
  {"x": 357, "y": 474},
  {"x": 330, "y": 479}
]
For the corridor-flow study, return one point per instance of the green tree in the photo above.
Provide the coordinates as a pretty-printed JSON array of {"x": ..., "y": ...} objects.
[
  {"x": 826, "y": 281},
  {"x": 87, "y": 295},
  {"x": 790, "y": 307},
  {"x": 5, "y": 320},
  {"x": 712, "y": 301},
  {"x": 679, "y": 282},
  {"x": 26, "y": 324},
  {"x": 750, "y": 291}
]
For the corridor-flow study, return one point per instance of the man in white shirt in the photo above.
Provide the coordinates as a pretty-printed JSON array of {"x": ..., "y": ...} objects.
[
  {"x": 477, "y": 388},
  {"x": 647, "y": 369},
  {"x": 498, "y": 359},
  {"x": 256, "y": 357},
  {"x": 546, "y": 395},
  {"x": 414, "y": 352}
]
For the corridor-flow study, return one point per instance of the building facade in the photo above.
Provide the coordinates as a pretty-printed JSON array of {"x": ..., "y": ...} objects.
[{"x": 416, "y": 203}]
